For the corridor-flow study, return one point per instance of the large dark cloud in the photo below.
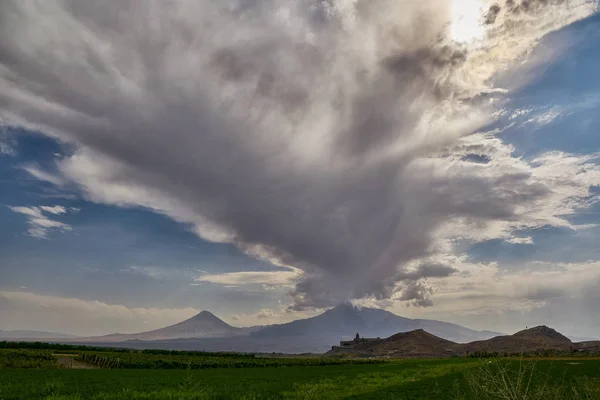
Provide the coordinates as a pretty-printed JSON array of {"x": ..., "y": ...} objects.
[{"x": 296, "y": 131}]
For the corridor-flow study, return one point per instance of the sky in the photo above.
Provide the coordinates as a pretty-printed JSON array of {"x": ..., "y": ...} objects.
[{"x": 266, "y": 160}]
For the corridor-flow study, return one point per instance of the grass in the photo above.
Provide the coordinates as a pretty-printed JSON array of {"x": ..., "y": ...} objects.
[
  {"x": 457, "y": 379},
  {"x": 534, "y": 380},
  {"x": 320, "y": 382}
]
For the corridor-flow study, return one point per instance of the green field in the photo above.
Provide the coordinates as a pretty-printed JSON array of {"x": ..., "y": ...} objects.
[{"x": 296, "y": 378}]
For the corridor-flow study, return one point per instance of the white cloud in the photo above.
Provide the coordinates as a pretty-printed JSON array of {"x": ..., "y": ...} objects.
[
  {"x": 5, "y": 148},
  {"x": 325, "y": 137},
  {"x": 519, "y": 113},
  {"x": 266, "y": 316},
  {"x": 481, "y": 292},
  {"x": 56, "y": 210},
  {"x": 520, "y": 240},
  {"x": 156, "y": 273},
  {"x": 39, "y": 224},
  {"x": 276, "y": 279},
  {"x": 542, "y": 115},
  {"x": 43, "y": 175},
  {"x": 550, "y": 188},
  {"x": 545, "y": 118},
  {"x": 26, "y": 310}
]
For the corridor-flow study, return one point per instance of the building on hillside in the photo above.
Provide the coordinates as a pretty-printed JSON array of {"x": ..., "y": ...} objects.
[{"x": 349, "y": 344}]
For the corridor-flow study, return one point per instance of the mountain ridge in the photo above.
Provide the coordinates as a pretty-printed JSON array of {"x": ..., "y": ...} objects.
[
  {"x": 419, "y": 343},
  {"x": 395, "y": 336},
  {"x": 30, "y": 334},
  {"x": 371, "y": 322},
  {"x": 207, "y": 332}
]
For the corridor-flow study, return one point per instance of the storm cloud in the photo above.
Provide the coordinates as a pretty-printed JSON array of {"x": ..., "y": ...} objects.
[{"x": 325, "y": 135}]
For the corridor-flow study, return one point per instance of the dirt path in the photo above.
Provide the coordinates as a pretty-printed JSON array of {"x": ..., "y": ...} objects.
[{"x": 68, "y": 361}]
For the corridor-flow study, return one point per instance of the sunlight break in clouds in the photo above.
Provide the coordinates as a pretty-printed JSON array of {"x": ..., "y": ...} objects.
[
  {"x": 331, "y": 137},
  {"x": 467, "y": 21}
]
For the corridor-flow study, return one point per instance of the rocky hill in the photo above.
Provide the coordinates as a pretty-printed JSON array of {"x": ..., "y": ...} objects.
[
  {"x": 419, "y": 343},
  {"x": 543, "y": 332}
]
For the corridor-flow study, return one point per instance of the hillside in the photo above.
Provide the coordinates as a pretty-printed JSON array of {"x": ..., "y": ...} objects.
[
  {"x": 543, "y": 332},
  {"x": 420, "y": 343},
  {"x": 417, "y": 343},
  {"x": 530, "y": 340}
]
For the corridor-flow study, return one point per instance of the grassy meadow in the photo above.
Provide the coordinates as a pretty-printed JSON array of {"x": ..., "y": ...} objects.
[{"x": 42, "y": 374}]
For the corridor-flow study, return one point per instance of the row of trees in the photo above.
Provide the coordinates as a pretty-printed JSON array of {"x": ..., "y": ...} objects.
[{"x": 79, "y": 348}]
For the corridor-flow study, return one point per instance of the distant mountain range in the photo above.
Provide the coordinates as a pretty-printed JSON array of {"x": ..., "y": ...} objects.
[
  {"x": 419, "y": 343},
  {"x": 24, "y": 334},
  {"x": 581, "y": 339},
  {"x": 388, "y": 336},
  {"x": 207, "y": 332}
]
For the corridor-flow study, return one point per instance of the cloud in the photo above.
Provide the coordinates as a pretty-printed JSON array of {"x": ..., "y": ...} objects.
[
  {"x": 266, "y": 313},
  {"x": 524, "y": 194},
  {"x": 429, "y": 270},
  {"x": 542, "y": 115},
  {"x": 56, "y": 210},
  {"x": 481, "y": 287},
  {"x": 6, "y": 149},
  {"x": 43, "y": 175},
  {"x": 506, "y": 298},
  {"x": 520, "y": 240},
  {"x": 6, "y": 142},
  {"x": 276, "y": 279},
  {"x": 26, "y": 310},
  {"x": 326, "y": 137},
  {"x": 39, "y": 224},
  {"x": 545, "y": 118},
  {"x": 156, "y": 273},
  {"x": 266, "y": 316}
]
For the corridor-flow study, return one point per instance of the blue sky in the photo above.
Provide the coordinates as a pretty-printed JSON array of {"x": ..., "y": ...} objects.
[
  {"x": 567, "y": 92},
  {"x": 115, "y": 255},
  {"x": 124, "y": 215}
]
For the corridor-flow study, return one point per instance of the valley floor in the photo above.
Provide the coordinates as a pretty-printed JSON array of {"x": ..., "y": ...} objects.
[{"x": 404, "y": 379}]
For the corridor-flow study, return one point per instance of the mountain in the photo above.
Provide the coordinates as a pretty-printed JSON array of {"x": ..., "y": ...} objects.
[
  {"x": 208, "y": 333},
  {"x": 24, "y": 334},
  {"x": 346, "y": 319},
  {"x": 202, "y": 325}
]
